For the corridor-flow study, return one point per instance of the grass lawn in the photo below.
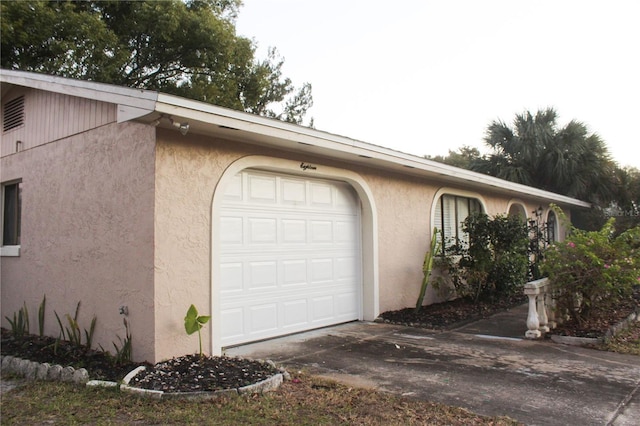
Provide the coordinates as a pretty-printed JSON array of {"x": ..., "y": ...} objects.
[{"x": 306, "y": 400}]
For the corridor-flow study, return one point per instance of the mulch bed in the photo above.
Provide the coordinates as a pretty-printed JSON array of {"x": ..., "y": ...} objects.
[
  {"x": 193, "y": 373},
  {"x": 601, "y": 322},
  {"x": 100, "y": 365},
  {"x": 451, "y": 314},
  {"x": 456, "y": 313},
  {"x": 190, "y": 373}
]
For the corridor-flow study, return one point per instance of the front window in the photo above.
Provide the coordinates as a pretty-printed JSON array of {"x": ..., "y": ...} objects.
[
  {"x": 451, "y": 211},
  {"x": 11, "y": 212}
]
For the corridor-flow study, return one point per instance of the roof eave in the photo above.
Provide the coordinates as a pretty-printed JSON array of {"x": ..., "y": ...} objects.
[
  {"x": 238, "y": 125},
  {"x": 204, "y": 118}
]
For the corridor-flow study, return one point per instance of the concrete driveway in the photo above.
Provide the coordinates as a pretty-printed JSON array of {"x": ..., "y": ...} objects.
[{"x": 535, "y": 382}]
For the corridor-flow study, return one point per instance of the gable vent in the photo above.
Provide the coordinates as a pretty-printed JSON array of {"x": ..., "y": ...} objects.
[{"x": 13, "y": 114}]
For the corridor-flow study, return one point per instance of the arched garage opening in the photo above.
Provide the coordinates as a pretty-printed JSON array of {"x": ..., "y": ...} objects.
[{"x": 293, "y": 249}]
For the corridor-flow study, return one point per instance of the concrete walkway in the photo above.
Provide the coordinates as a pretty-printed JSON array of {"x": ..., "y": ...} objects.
[{"x": 484, "y": 366}]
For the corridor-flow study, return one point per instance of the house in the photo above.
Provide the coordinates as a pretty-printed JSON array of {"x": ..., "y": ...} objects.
[{"x": 138, "y": 204}]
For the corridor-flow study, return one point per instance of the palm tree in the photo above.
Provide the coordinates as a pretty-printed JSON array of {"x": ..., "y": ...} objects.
[{"x": 536, "y": 152}]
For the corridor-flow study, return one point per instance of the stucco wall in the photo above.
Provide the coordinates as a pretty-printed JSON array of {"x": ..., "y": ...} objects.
[
  {"x": 188, "y": 170},
  {"x": 87, "y": 232}
]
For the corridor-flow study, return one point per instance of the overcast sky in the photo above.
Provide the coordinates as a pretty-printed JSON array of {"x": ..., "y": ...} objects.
[{"x": 423, "y": 76}]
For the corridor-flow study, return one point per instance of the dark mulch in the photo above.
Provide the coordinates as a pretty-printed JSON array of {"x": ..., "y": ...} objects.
[
  {"x": 451, "y": 314},
  {"x": 192, "y": 373},
  {"x": 456, "y": 313},
  {"x": 600, "y": 322},
  {"x": 100, "y": 365}
]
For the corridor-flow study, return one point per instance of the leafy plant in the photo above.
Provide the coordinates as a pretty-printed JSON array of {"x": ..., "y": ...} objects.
[
  {"x": 20, "y": 322},
  {"x": 193, "y": 323},
  {"x": 493, "y": 263},
  {"x": 593, "y": 271},
  {"x": 41, "y": 311},
  {"x": 427, "y": 266},
  {"x": 72, "y": 333},
  {"x": 124, "y": 353}
]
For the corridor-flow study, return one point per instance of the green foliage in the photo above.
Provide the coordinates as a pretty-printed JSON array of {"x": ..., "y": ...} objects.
[
  {"x": 536, "y": 152},
  {"x": 20, "y": 322},
  {"x": 193, "y": 323},
  {"x": 187, "y": 48},
  {"x": 41, "y": 312},
  {"x": 592, "y": 271},
  {"x": 72, "y": 333},
  {"x": 463, "y": 157},
  {"x": 124, "y": 352},
  {"x": 427, "y": 266},
  {"x": 494, "y": 262}
]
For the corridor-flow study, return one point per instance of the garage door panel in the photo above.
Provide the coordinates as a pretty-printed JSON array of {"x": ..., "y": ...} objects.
[
  {"x": 233, "y": 320},
  {"x": 295, "y": 313},
  {"x": 262, "y": 189},
  {"x": 345, "y": 233},
  {"x": 234, "y": 189},
  {"x": 262, "y": 274},
  {"x": 231, "y": 230},
  {"x": 231, "y": 276},
  {"x": 294, "y": 272},
  {"x": 263, "y": 230},
  {"x": 345, "y": 304},
  {"x": 263, "y": 318},
  {"x": 321, "y": 231},
  {"x": 289, "y": 256},
  {"x": 322, "y": 308},
  {"x": 321, "y": 195},
  {"x": 294, "y": 231},
  {"x": 294, "y": 192},
  {"x": 321, "y": 270},
  {"x": 346, "y": 269}
]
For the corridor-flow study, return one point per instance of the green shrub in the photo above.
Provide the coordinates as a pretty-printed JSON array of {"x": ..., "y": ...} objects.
[
  {"x": 593, "y": 271},
  {"x": 20, "y": 322},
  {"x": 494, "y": 263}
]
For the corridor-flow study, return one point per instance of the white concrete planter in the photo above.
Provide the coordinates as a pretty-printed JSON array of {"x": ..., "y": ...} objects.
[{"x": 267, "y": 385}]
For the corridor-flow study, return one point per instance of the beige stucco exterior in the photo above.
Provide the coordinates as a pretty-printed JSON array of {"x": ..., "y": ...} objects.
[
  {"x": 124, "y": 214},
  {"x": 87, "y": 232},
  {"x": 188, "y": 172}
]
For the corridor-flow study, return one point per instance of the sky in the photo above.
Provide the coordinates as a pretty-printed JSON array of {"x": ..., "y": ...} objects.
[{"x": 425, "y": 77}]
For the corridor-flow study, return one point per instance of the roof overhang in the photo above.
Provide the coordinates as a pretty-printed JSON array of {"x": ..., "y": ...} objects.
[{"x": 207, "y": 119}]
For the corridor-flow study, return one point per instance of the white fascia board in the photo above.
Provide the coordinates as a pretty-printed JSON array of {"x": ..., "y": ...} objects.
[
  {"x": 219, "y": 116},
  {"x": 128, "y": 98}
]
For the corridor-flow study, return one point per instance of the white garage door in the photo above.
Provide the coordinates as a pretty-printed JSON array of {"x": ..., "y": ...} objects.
[{"x": 290, "y": 256}]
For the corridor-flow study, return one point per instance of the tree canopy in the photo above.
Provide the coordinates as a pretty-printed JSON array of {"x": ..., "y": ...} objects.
[
  {"x": 535, "y": 151},
  {"x": 567, "y": 160},
  {"x": 189, "y": 48},
  {"x": 462, "y": 157}
]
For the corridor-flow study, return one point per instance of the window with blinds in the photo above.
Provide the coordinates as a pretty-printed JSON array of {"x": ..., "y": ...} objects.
[{"x": 451, "y": 211}]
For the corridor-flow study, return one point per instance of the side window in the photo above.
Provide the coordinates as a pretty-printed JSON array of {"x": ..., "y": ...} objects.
[
  {"x": 11, "y": 213},
  {"x": 551, "y": 228},
  {"x": 450, "y": 213}
]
